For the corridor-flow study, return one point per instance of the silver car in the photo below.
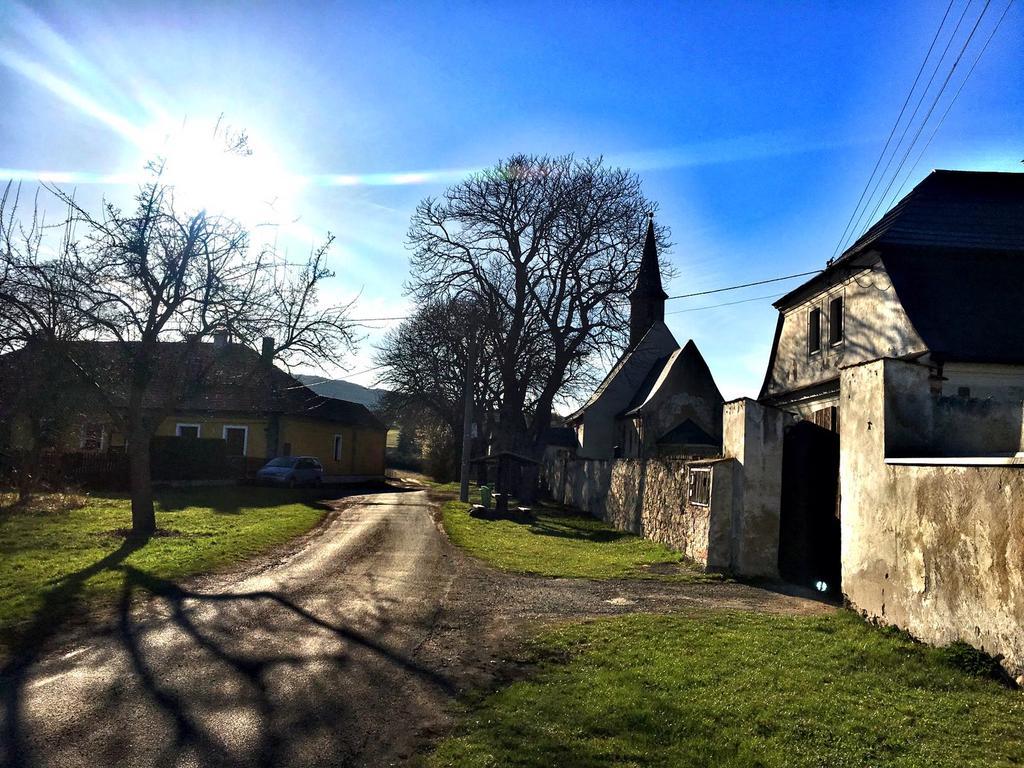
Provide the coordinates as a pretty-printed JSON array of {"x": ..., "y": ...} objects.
[{"x": 292, "y": 471}]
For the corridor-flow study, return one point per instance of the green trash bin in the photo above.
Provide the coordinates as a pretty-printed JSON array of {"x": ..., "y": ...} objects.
[{"x": 485, "y": 496}]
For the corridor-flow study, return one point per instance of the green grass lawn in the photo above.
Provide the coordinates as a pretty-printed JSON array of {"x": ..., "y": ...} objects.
[
  {"x": 732, "y": 689},
  {"x": 559, "y": 543},
  {"x": 58, "y": 563}
]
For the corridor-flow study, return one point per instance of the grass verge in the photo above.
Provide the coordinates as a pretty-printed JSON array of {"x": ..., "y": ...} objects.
[
  {"x": 730, "y": 690},
  {"x": 60, "y": 563},
  {"x": 560, "y": 543}
]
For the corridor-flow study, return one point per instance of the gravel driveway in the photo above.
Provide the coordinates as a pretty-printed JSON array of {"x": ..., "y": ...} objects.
[{"x": 345, "y": 649}]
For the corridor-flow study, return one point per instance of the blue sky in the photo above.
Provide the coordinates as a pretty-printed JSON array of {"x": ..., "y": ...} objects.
[{"x": 754, "y": 125}]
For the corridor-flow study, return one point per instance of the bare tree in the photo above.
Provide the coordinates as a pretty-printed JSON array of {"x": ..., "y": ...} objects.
[
  {"x": 548, "y": 248},
  {"x": 140, "y": 278},
  {"x": 426, "y": 361}
]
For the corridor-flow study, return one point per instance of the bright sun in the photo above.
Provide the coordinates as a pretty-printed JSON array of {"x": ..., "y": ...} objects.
[{"x": 254, "y": 188}]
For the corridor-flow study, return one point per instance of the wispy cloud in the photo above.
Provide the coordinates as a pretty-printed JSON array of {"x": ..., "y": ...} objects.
[{"x": 729, "y": 150}]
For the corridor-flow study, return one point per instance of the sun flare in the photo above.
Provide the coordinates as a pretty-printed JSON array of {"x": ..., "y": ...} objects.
[{"x": 252, "y": 186}]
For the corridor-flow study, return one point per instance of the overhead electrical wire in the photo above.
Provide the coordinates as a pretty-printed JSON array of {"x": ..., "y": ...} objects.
[
  {"x": 892, "y": 132},
  {"x": 931, "y": 109},
  {"x": 952, "y": 101},
  {"x": 725, "y": 304},
  {"x": 900, "y": 151},
  {"x": 746, "y": 285},
  {"x": 680, "y": 296},
  {"x": 857, "y": 227}
]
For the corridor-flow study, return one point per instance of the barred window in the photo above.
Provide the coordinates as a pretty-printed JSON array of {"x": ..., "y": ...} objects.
[
  {"x": 92, "y": 437},
  {"x": 700, "y": 486}
]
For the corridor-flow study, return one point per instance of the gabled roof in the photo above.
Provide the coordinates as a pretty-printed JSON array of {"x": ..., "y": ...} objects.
[
  {"x": 688, "y": 433},
  {"x": 976, "y": 211},
  {"x": 687, "y": 367},
  {"x": 560, "y": 437},
  {"x": 230, "y": 378},
  {"x": 621, "y": 364}
]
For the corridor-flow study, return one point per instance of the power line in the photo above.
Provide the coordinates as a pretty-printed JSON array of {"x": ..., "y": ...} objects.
[
  {"x": 906, "y": 129},
  {"x": 680, "y": 296},
  {"x": 746, "y": 285},
  {"x": 899, "y": 117},
  {"x": 952, "y": 101},
  {"x": 726, "y": 304},
  {"x": 931, "y": 109}
]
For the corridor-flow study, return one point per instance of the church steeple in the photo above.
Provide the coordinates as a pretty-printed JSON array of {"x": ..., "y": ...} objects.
[{"x": 647, "y": 301}]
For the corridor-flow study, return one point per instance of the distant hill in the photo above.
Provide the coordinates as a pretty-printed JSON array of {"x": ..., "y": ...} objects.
[{"x": 343, "y": 390}]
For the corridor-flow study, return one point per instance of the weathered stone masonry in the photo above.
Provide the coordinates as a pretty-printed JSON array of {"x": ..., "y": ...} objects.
[{"x": 649, "y": 497}]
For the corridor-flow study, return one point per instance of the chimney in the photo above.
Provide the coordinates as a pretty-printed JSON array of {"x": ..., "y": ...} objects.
[
  {"x": 267, "y": 350},
  {"x": 220, "y": 339}
]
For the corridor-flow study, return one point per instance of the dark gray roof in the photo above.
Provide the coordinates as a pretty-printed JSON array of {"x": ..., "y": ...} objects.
[
  {"x": 973, "y": 210},
  {"x": 560, "y": 437},
  {"x": 616, "y": 369},
  {"x": 688, "y": 433},
  {"x": 966, "y": 307},
  {"x": 954, "y": 250},
  {"x": 648, "y": 279},
  {"x": 947, "y": 211},
  {"x": 232, "y": 378},
  {"x": 688, "y": 371}
]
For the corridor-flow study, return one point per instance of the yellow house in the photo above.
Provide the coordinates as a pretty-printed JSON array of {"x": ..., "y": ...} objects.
[{"x": 260, "y": 411}]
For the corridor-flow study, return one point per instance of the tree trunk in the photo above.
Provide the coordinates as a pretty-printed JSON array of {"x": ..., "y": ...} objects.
[{"x": 143, "y": 514}]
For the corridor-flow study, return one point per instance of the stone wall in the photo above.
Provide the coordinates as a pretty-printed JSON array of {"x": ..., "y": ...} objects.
[
  {"x": 649, "y": 497},
  {"x": 937, "y": 549}
]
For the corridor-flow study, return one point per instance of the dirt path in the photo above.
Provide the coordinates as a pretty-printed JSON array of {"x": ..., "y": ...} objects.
[{"x": 345, "y": 649}]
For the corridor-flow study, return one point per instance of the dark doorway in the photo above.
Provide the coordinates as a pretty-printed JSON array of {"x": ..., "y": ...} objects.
[{"x": 809, "y": 522}]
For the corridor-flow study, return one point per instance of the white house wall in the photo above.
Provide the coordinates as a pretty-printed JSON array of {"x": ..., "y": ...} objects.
[
  {"x": 875, "y": 326},
  {"x": 933, "y": 547}
]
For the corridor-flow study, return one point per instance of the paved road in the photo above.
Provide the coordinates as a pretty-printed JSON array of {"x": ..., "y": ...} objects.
[{"x": 346, "y": 650}]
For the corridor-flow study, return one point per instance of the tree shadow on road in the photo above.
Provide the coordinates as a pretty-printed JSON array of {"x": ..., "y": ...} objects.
[
  {"x": 249, "y": 678},
  {"x": 60, "y": 605}
]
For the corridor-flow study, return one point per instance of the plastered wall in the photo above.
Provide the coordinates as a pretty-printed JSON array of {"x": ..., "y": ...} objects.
[{"x": 935, "y": 549}]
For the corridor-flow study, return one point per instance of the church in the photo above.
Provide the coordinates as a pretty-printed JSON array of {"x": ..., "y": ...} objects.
[{"x": 659, "y": 399}]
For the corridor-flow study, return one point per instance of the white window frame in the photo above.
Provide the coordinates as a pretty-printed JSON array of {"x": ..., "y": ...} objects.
[
  {"x": 103, "y": 436},
  {"x": 180, "y": 424},
  {"x": 245, "y": 440},
  {"x": 692, "y": 484},
  {"x": 337, "y": 447}
]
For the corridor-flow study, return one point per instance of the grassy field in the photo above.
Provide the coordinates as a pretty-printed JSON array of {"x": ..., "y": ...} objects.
[
  {"x": 59, "y": 563},
  {"x": 729, "y": 690},
  {"x": 559, "y": 543}
]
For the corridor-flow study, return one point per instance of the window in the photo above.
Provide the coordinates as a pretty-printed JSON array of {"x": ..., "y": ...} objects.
[
  {"x": 237, "y": 439},
  {"x": 337, "y": 447},
  {"x": 699, "y": 487},
  {"x": 814, "y": 331},
  {"x": 187, "y": 430},
  {"x": 835, "y": 320},
  {"x": 92, "y": 437}
]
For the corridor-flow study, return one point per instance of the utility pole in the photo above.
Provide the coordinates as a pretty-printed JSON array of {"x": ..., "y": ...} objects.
[{"x": 467, "y": 416}]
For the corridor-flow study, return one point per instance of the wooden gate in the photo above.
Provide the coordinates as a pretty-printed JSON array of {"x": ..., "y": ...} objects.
[{"x": 809, "y": 552}]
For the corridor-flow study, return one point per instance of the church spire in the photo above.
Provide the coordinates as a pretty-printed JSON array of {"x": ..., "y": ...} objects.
[{"x": 647, "y": 301}]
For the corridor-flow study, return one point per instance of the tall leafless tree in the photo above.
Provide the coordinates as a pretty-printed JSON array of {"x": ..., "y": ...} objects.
[
  {"x": 154, "y": 274},
  {"x": 548, "y": 248},
  {"x": 426, "y": 361}
]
